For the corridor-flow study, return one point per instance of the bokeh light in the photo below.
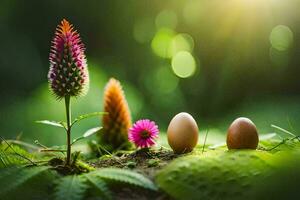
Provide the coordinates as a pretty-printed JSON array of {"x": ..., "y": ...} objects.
[
  {"x": 182, "y": 42},
  {"x": 161, "y": 43},
  {"x": 183, "y": 64},
  {"x": 281, "y": 38},
  {"x": 166, "y": 19}
]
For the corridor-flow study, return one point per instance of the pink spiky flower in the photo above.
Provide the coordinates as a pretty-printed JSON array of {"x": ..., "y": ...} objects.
[
  {"x": 68, "y": 74},
  {"x": 143, "y": 133}
]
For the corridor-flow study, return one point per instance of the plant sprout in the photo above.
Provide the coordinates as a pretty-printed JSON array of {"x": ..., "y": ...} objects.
[{"x": 68, "y": 77}]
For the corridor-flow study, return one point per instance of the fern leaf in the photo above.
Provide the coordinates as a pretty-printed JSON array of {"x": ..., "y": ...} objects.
[
  {"x": 70, "y": 188},
  {"x": 125, "y": 176},
  {"x": 13, "y": 177},
  {"x": 4, "y": 162},
  {"x": 13, "y": 155},
  {"x": 98, "y": 184}
]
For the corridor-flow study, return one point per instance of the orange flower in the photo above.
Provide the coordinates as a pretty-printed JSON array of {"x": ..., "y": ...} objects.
[{"x": 118, "y": 121}]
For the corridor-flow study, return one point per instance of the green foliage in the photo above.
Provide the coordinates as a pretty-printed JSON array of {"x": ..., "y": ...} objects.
[
  {"x": 43, "y": 183},
  {"x": 13, "y": 155},
  {"x": 25, "y": 179},
  {"x": 227, "y": 175},
  {"x": 88, "y": 133},
  {"x": 222, "y": 174},
  {"x": 125, "y": 176},
  {"x": 214, "y": 174},
  {"x": 70, "y": 188},
  {"x": 67, "y": 126},
  {"x": 98, "y": 185},
  {"x": 30, "y": 183},
  {"x": 76, "y": 186},
  {"x": 52, "y": 123}
]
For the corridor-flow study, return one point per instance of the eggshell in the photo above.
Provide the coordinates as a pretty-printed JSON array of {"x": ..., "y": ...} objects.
[
  {"x": 182, "y": 133},
  {"x": 242, "y": 134}
]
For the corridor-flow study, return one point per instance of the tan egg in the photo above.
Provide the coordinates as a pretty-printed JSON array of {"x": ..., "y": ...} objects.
[
  {"x": 182, "y": 133},
  {"x": 242, "y": 134}
]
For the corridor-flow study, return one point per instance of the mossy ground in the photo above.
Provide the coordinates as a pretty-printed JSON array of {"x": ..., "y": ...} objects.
[
  {"x": 206, "y": 173},
  {"x": 145, "y": 161},
  {"x": 209, "y": 173}
]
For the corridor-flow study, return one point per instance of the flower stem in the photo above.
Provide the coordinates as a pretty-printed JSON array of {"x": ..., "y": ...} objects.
[{"x": 68, "y": 113}]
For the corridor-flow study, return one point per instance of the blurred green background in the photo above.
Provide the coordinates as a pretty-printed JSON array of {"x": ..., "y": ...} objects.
[{"x": 215, "y": 59}]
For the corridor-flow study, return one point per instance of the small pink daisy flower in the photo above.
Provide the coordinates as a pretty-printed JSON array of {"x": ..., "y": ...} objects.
[{"x": 143, "y": 133}]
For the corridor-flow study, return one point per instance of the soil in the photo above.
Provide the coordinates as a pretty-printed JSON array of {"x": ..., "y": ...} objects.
[{"x": 144, "y": 161}]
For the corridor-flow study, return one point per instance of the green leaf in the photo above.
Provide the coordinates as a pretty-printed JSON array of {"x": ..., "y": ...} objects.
[
  {"x": 70, "y": 188},
  {"x": 91, "y": 132},
  {"x": 11, "y": 178},
  {"x": 215, "y": 176},
  {"x": 283, "y": 130},
  {"x": 99, "y": 185},
  {"x": 125, "y": 176},
  {"x": 52, "y": 123},
  {"x": 88, "y": 133},
  {"x": 81, "y": 117},
  {"x": 4, "y": 160},
  {"x": 13, "y": 155}
]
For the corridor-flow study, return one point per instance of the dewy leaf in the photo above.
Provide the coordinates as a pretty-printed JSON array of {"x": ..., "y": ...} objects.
[
  {"x": 88, "y": 133},
  {"x": 70, "y": 188},
  {"x": 125, "y": 176},
  {"x": 51, "y": 123},
  {"x": 81, "y": 117}
]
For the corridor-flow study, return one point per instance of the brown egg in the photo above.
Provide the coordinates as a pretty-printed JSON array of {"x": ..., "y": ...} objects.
[
  {"x": 182, "y": 133},
  {"x": 242, "y": 134}
]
